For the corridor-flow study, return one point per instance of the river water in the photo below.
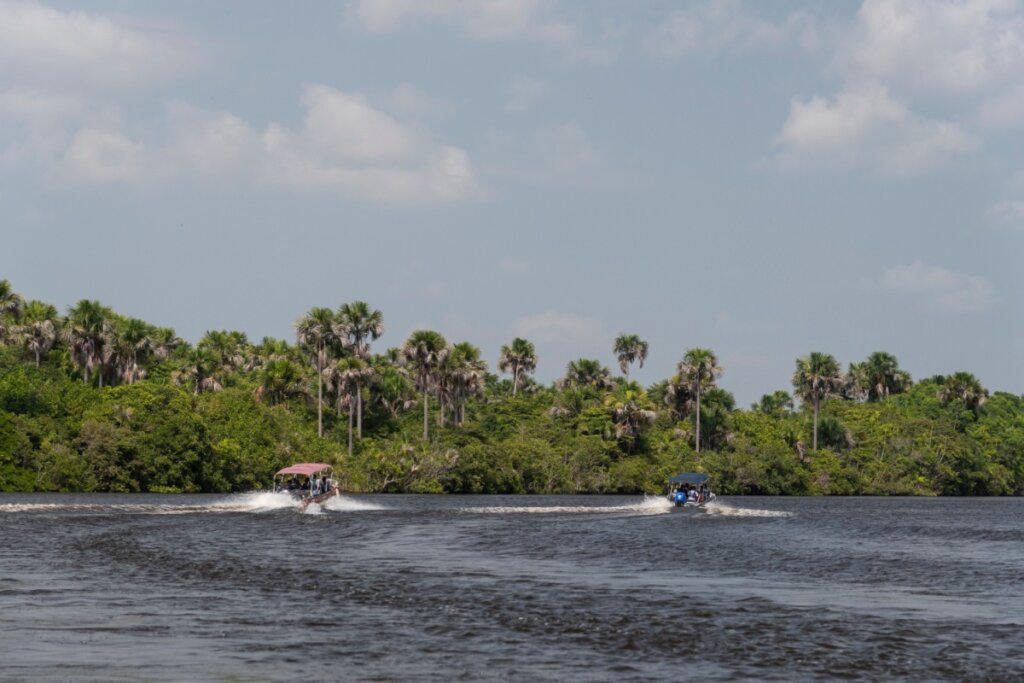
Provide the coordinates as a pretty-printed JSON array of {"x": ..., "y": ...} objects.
[{"x": 424, "y": 588}]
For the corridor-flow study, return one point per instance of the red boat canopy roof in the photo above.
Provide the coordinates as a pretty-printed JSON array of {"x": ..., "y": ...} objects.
[{"x": 306, "y": 469}]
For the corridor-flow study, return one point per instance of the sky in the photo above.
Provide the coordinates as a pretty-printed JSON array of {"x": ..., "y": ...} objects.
[{"x": 763, "y": 179}]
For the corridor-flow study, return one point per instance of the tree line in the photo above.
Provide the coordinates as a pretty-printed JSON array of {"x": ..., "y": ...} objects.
[{"x": 329, "y": 393}]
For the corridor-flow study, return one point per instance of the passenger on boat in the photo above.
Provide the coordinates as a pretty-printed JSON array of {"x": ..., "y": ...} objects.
[{"x": 691, "y": 496}]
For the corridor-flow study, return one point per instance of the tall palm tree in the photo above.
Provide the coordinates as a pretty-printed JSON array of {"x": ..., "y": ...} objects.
[
  {"x": 349, "y": 375},
  {"x": 360, "y": 325},
  {"x": 462, "y": 376},
  {"x": 425, "y": 350},
  {"x": 629, "y": 348},
  {"x": 39, "y": 329},
  {"x": 699, "y": 369},
  {"x": 132, "y": 338},
  {"x": 11, "y": 304},
  {"x": 165, "y": 341},
  {"x": 585, "y": 372},
  {"x": 879, "y": 377},
  {"x": 816, "y": 379},
  {"x": 519, "y": 358},
  {"x": 965, "y": 388},
  {"x": 87, "y": 324},
  {"x": 198, "y": 370},
  {"x": 319, "y": 331}
]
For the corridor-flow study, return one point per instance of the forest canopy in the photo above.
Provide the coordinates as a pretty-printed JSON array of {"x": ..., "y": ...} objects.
[{"x": 91, "y": 400}]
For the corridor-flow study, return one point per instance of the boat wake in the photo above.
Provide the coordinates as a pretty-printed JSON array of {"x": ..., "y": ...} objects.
[
  {"x": 343, "y": 504},
  {"x": 724, "y": 510},
  {"x": 650, "y": 505}
]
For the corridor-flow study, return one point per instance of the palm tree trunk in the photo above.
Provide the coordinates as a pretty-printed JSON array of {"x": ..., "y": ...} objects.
[
  {"x": 815, "y": 424},
  {"x": 698, "y": 418},
  {"x": 515, "y": 379},
  {"x": 37, "y": 358},
  {"x": 319, "y": 396},
  {"x": 350, "y": 429},
  {"x": 359, "y": 412},
  {"x": 426, "y": 418}
]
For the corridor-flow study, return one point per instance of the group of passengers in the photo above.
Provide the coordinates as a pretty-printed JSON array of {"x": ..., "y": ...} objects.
[
  {"x": 315, "y": 486},
  {"x": 693, "y": 494}
]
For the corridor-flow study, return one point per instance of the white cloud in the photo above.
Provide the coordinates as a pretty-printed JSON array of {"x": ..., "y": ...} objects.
[
  {"x": 708, "y": 28},
  {"x": 942, "y": 290},
  {"x": 40, "y": 44},
  {"x": 521, "y": 93},
  {"x": 345, "y": 126},
  {"x": 561, "y": 328},
  {"x": 866, "y": 128},
  {"x": 345, "y": 145},
  {"x": 1007, "y": 215},
  {"x": 946, "y": 45},
  {"x": 104, "y": 156},
  {"x": 488, "y": 20}
]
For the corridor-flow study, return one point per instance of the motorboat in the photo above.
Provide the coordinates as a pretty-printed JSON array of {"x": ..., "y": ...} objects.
[
  {"x": 690, "y": 489},
  {"x": 307, "y": 482}
]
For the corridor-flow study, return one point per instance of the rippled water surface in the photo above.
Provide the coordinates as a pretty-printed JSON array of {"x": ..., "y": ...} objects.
[{"x": 249, "y": 588}]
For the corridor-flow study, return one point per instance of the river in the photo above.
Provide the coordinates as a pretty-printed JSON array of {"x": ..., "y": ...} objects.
[{"x": 436, "y": 588}]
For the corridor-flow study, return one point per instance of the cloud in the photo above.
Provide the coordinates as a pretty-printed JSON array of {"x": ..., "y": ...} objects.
[
  {"x": 345, "y": 145},
  {"x": 39, "y": 44},
  {"x": 942, "y": 290},
  {"x": 705, "y": 29},
  {"x": 943, "y": 45},
  {"x": 864, "y": 127},
  {"x": 560, "y": 328},
  {"x": 521, "y": 93},
  {"x": 1008, "y": 215},
  {"x": 486, "y": 20},
  {"x": 104, "y": 156}
]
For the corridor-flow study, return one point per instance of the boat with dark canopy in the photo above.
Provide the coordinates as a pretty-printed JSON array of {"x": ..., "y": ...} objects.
[
  {"x": 307, "y": 482},
  {"x": 690, "y": 489}
]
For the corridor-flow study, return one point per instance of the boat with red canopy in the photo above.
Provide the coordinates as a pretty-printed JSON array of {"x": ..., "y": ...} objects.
[{"x": 307, "y": 482}]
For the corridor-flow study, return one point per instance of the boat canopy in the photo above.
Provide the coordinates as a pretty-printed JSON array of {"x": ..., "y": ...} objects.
[
  {"x": 306, "y": 469},
  {"x": 692, "y": 478}
]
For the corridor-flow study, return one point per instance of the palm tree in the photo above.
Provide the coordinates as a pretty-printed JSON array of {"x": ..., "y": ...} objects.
[
  {"x": 629, "y": 349},
  {"x": 132, "y": 338},
  {"x": 775, "y": 403},
  {"x": 394, "y": 392},
  {"x": 87, "y": 324},
  {"x": 879, "y": 377},
  {"x": 425, "y": 350},
  {"x": 462, "y": 376},
  {"x": 631, "y": 414},
  {"x": 585, "y": 372},
  {"x": 817, "y": 378},
  {"x": 360, "y": 325},
  {"x": 198, "y": 370},
  {"x": 520, "y": 358},
  {"x": 39, "y": 330},
  {"x": 11, "y": 304},
  {"x": 165, "y": 341},
  {"x": 965, "y": 388},
  {"x": 279, "y": 379},
  {"x": 348, "y": 375},
  {"x": 679, "y": 397},
  {"x": 699, "y": 369},
  {"x": 318, "y": 331}
]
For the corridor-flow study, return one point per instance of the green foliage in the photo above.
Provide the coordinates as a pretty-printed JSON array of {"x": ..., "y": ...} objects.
[{"x": 225, "y": 415}]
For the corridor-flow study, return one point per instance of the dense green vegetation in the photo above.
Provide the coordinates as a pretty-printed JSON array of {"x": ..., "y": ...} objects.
[{"x": 94, "y": 401}]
